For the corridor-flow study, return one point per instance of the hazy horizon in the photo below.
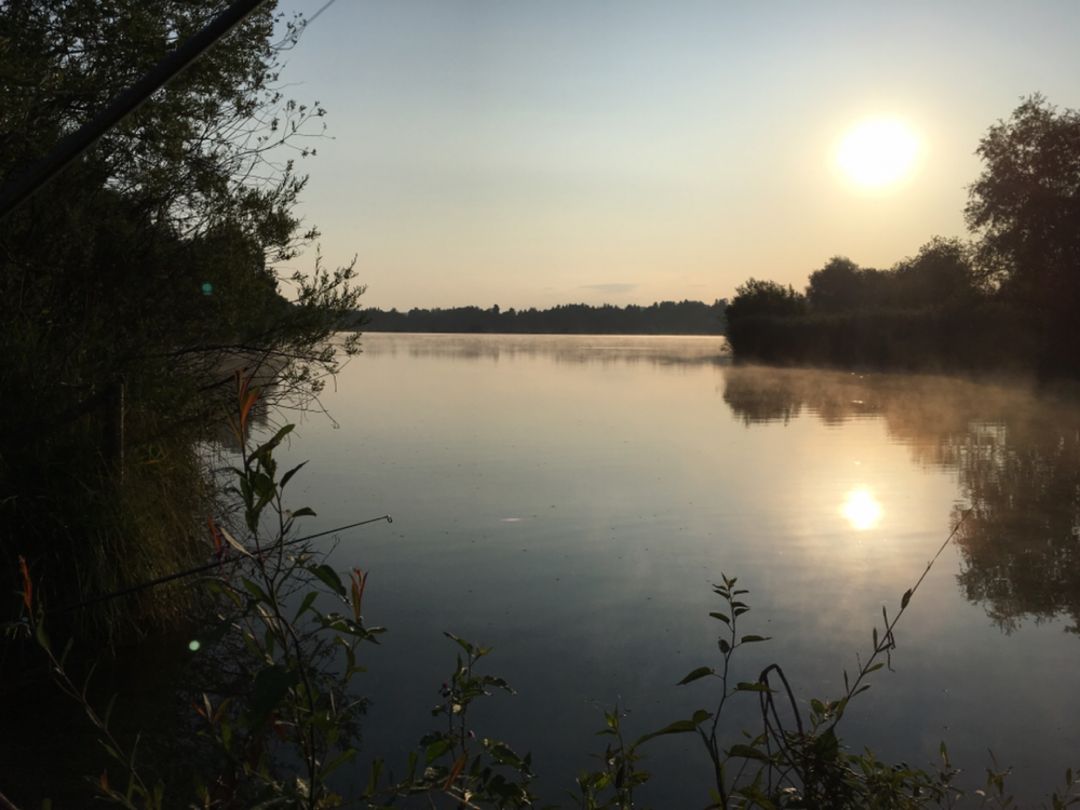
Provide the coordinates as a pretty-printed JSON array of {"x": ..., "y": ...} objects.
[{"x": 531, "y": 155}]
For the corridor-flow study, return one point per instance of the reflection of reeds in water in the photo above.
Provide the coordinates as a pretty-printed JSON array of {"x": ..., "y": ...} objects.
[
  {"x": 1016, "y": 452},
  {"x": 575, "y": 349}
]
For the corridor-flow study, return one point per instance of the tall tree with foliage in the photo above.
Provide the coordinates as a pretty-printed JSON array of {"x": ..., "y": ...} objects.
[
  {"x": 941, "y": 274},
  {"x": 145, "y": 270},
  {"x": 837, "y": 287},
  {"x": 1025, "y": 207}
]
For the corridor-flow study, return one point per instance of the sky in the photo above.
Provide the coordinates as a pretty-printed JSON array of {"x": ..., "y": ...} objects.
[{"x": 529, "y": 153}]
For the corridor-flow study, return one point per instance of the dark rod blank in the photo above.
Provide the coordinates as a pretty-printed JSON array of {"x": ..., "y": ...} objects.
[
  {"x": 122, "y": 104},
  {"x": 153, "y": 583}
]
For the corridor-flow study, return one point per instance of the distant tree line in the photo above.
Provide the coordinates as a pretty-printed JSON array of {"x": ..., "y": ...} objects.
[
  {"x": 1007, "y": 298},
  {"x": 662, "y": 318}
]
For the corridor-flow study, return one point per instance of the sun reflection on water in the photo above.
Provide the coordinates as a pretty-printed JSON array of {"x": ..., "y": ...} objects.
[{"x": 861, "y": 509}]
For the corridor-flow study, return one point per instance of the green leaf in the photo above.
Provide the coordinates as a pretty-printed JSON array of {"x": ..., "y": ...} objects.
[
  {"x": 436, "y": 749},
  {"x": 724, "y": 646},
  {"x": 751, "y": 686},
  {"x": 40, "y": 634},
  {"x": 269, "y": 688},
  {"x": 752, "y": 638},
  {"x": 373, "y": 780},
  {"x": 329, "y": 576},
  {"x": 700, "y": 716},
  {"x": 698, "y": 673},
  {"x": 722, "y": 617},
  {"x": 905, "y": 599},
  {"x": 465, "y": 645},
  {"x": 252, "y": 588},
  {"x": 285, "y": 478},
  {"x": 303, "y": 511},
  {"x": 345, "y": 756},
  {"x": 308, "y": 600},
  {"x": 263, "y": 486},
  {"x": 678, "y": 727},
  {"x": 109, "y": 710},
  {"x": 265, "y": 449},
  {"x": 501, "y": 752},
  {"x": 747, "y": 752},
  {"x": 827, "y": 746}
]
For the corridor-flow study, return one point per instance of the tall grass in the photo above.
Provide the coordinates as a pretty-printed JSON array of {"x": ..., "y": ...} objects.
[{"x": 90, "y": 523}]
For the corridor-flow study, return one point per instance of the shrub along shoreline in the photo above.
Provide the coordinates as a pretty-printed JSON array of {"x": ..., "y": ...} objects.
[
  {"x": 989, "y": 338},
  {"x": 1007, "y": 300}
]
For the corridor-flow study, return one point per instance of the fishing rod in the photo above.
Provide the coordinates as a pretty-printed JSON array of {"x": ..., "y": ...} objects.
[
  {"x": 125, "y": 102},
  {"x": 153, "y": 583}
]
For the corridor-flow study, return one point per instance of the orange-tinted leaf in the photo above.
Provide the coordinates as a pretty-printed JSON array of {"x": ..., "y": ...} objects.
[
  {"x": 454, "y": 772},
  {"x": 215, "y": 536},
  {"x": 28, "y": 584},
  {"x": 245, "y": 397},
  {"x": 245, "y": 409},
  {"x": 359, "y": 582}
]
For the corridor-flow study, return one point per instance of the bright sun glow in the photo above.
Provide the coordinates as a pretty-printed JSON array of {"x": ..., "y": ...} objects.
[
  {"x": 878, "y": 152},
  {"x": 861, "y": 509}
]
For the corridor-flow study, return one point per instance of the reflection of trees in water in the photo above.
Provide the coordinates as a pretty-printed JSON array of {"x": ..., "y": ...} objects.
[
  {"x": 1021, "y": 544},
  {"x": 570, "y": 349},
  {"x": 1017, "y": 456},
  {"x": 760, "y": 397}
]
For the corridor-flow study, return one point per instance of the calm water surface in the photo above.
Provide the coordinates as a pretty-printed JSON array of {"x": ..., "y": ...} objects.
[{"x": 570, "y": 500}]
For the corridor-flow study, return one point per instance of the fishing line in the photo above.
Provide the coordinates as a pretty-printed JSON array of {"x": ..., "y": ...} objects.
[
  {"x": 153, "y": 583},
  {"x": 295, "y": 36}
]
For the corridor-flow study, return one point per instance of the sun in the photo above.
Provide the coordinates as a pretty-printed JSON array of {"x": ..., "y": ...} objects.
[
  {"x": 878, "y": 152},
  {"x": 861, "y": 509}
]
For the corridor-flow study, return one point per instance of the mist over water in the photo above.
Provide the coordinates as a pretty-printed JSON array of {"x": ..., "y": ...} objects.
[{"x": 570, "y": 500}]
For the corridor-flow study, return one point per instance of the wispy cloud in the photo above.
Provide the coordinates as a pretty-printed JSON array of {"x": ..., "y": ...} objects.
[{"x": 611, "y": 288}]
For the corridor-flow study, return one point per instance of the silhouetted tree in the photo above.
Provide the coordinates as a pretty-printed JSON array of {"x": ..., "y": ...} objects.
[
  {"x": 1025, "y": 206},
  {"x": 941, "y": 274},
  {"x": 758, "y": 297},
  {"x": 839, "y": 286},
  {"x": 661, "y": 318},
  {"x": 151, "y": 261},
  {"x": 756, "y": 317}
]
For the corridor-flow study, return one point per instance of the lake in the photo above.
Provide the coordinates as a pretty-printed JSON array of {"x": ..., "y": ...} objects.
[{"x": 570, "y": 501}]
